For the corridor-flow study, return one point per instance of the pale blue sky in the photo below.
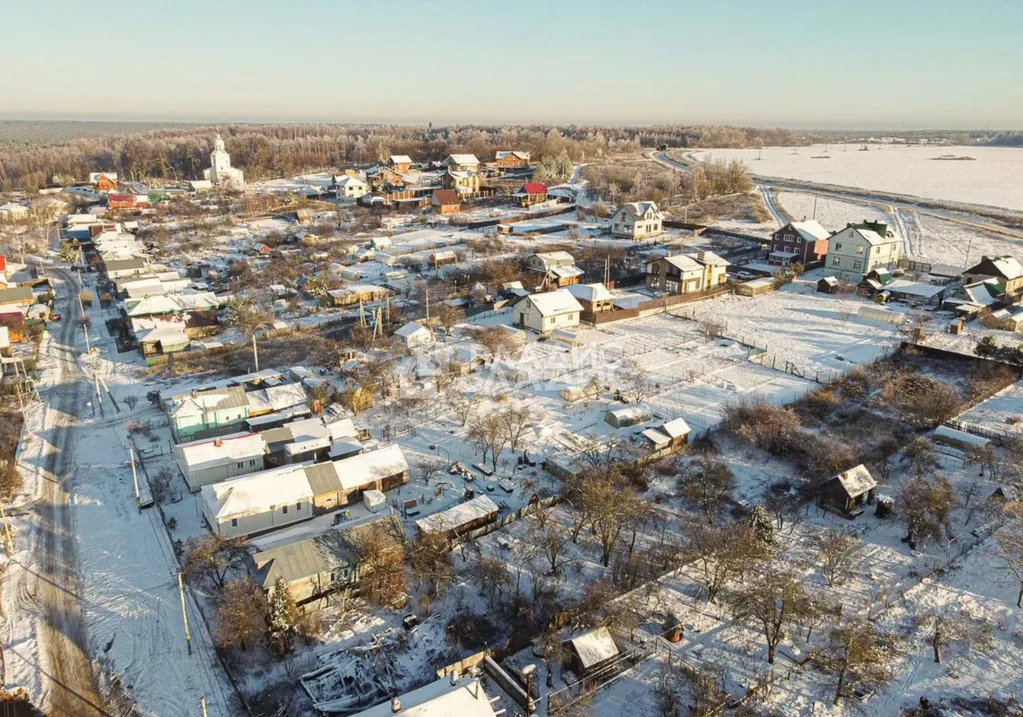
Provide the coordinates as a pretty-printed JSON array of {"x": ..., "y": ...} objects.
[{"x": 800, "y": 63}]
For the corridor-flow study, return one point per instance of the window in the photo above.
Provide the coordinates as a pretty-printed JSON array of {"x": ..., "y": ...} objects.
[
  {"x": 284, "y": 509},
  {"x": 835, "y": 261},
  {"x": 298, "y": 506},
  {"x": 859, "y": 250},
  {"x": 234, "y": 522},
  {"x": 857, "y": 264},
  {"x": 241, "y": 464},
  {"x": 838, "y": 247}
]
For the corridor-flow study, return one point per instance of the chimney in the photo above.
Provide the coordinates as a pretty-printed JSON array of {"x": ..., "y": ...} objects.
[{"x": 395, "y": 706}]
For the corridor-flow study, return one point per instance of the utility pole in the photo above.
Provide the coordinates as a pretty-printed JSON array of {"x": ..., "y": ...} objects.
[
  {"x": 427, "y": 304},
  {"x": 202, "y": 706},
  {"x": 134, "y": 477},
  {"x": 255, "y": 352},
  {"x": 815, "y": 206},
  {"x": 184, "y": 614}
]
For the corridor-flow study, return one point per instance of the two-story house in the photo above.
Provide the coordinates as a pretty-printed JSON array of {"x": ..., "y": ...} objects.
[
  {"x": 463, "y": 181},
  {"x": 546, "y": 312},
  {"x": 207, "y": 412},
  {"x": 512, "y": 159},
  {"x": 558, "y": 267},
  {"x": 687, "y": 273},
  {"x": 399, "y": 162},
  {"x": 637, "y": 220},
  {"x": 860, "y": 248},
  {"x": 462, "y": 162},
  {"x": 1005, "y": 269},
  {"x": 802, "y": 242}
]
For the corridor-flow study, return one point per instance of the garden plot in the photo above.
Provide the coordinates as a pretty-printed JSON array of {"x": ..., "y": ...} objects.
[
  {"x": 954, "y": 242},
  {"x": 1000, "y": 415},
  {"x": 796, "y": 326}
]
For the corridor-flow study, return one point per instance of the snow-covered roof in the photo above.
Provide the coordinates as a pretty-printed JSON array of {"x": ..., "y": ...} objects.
[
  {"x": 463, "y": 159},
  {"x": 914, "y": 288},
  {"x": 276, "y": 398},
  {"x": 216, "y": 399},
  {"x": 412, "y": 329},
  {"x": 811, "y": 230},
  {"x": 454, "y": 518},
  {"x": 254, "y": 494},
  {"x": 566, "y": 272},
  {"x": 438, "y": 699},
  {"x": 676, "y": 428},
  {"x": 347, "y": 180},
  {"x": 400, "y": 159},
  {"x": 210, "y": 452},
  {"x": 857, "y": 480},
  {"x": 173, "y": 303},
  {"x": 656, "y": 437},
  {"x": 555, "y": 258},
  {"x": 953, "y": 435},
  {"x": 630, "y": 415},
  {"x": 501, "y": 154},
  {"x": 370, "y": 466},
  {"x": 590, "y": 292},
  {"x": 594, "y": 647},
  {"x": 639, "y": 209},
  {"x": 682, "y": 262},
  {"x": 983, "y": 293},
  {"x": 555, "y": 303},
  {"x": 1007, "y": 266}
]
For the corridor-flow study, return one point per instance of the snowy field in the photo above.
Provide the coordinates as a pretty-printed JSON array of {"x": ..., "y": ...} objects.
[
  {"x": 833, "y": 214},
  {"x": 995, "y": 177}
]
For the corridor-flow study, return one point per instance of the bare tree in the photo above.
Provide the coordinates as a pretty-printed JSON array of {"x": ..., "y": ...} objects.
[
  {"x": 208, "y": 559},
  {"x": 490, "y": 576},
  {"x": 431, "y": 562},
  {"x": 429, "y": 469},
  {"x": 925, "y": 506},
  {"x": 551, "y": 537},
  {"x": 516, "y": 420},
  {"x": 721, "y": 554},
  {"x": 835, "y": 554},
  {"x": 1009, "y": 539},
  {"x": 954, "y": 626},
  {"x": 706, "y": 485},
  {"x": 635, "y": 381},
  {"x": 460, "y": 406},
  {"x": 241, "y": 614},
  {"x": 772, "y": 600},
  {"x": 488, "y": 432},
  {"x": 859, "y": 656},
  {"x": 382, "y": 560}
]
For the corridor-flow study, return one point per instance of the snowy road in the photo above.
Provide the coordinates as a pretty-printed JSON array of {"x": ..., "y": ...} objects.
[{"x": 68, "y": 682}]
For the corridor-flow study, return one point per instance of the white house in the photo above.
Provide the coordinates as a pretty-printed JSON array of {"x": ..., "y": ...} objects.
[
  {"x": 215, "y": 459},
  {"x": 351, "y": 187},
  {"x": 858, "y": 249},
  {"x": 546, "y": 312},
  {"x": 687, "y": 273},
  {"x": 637, "y": 220},
  {"x": 220, "y": 171},
  {"x": 413, "y": 335},
  {"x": 258, "y": 502}
]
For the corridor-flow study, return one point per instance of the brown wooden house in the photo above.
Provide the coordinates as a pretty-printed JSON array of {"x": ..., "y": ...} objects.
[
  {"x": 849, "y": 491},
  {"x": 511, "y": 159},
  {"x": 445, "y": 201}
]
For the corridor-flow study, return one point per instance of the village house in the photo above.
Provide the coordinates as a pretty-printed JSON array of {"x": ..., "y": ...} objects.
[
  {"x": 351, "y": 294},
  {"x": 670, "y": 437},
  {"x": 311, "y": 439},
  {"x": 103, "y": 181},
  {"x": 531, "y": 193},
  {"x": 460, "y": 519},
  {"x": 637, "y": 220},
  {"x": 849, "y": 491},
  {"x": 462, "y": 162},
  {"x": 451, "y": 696},
  {"x": 317, "y": 567},
  {"x": 687, "y": 273},
  {"x": 801, "y": 242},
  {"x": 160, "y": 335},
  {"x": 117, "y": 268},
  {"x": 445, "y": 201},
  {"x": 594, "y": 298},
  {"x": 547, "y": 312},
  {"x": 860, "y": 248},
  {"x": 558, "y": 267},
  {"x": 206, "y": 412},
  {"x": 383, "y": 178},
  {"x": 414, "y": 335},
  {"x": 17, "y": 296},
  {"x": 338, "y": 483},
  {"x": 463, "y": 181},
  {"x": 275, "y": 398},
  {"x": 399, "y": 162},
  {"x": 351, "y": 188},
  {"x": 511, "y": 159},
  {"x": 1006, "y": 270},
  {"x": 212, "y": 460},
  {"x": 443, "y": 258}
]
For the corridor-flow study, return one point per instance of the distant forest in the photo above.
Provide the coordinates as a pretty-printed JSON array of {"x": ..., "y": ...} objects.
[{"x": 35, "y": 154}]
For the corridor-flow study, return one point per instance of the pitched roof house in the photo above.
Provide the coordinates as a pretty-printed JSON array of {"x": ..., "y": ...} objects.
[
  {"x": 212, "y": 460},
  {"x": 462, "y": 162},
  {"x": 849, "y": 490},
  {"x": 445, "y": 201},
  {"x": 637, "y": 220},
  {"x": 546, "y": 312},
  {"x": 1006, "y": 269},
  {"x": 687, "y": 273},
  {"x": 399, "y": 162},
  {"x": 858, "y": 249},
  {"x": 205, "y": 411},
  {"x": 511, "y": 159},
  {"x": 801, "y": 242}
]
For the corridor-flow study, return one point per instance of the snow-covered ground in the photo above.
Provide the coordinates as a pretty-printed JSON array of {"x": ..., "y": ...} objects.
[
  {"x": 1002, "y": 414},
  {"x": 995, "y": 177},
  {"x": 833, "y": 214}
]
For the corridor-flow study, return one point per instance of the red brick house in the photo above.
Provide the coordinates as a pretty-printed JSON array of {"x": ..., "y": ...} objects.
[
  {"x": 445, "y": 201},
  {"x": 800, "y": 242}
]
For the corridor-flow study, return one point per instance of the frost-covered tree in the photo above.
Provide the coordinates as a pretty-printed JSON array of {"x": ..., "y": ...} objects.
[
  {"x": 858, "y": 656},
  {"x": 762, "y": 525},
  {"x": 282, "y": 617}
]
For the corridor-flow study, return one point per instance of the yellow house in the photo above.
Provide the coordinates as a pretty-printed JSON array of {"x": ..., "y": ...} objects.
[{"x": 462, "y": 181}]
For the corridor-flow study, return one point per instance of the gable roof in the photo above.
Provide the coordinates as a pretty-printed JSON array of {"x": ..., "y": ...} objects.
[
  {"x": 215, "y": 399},
  {"x": 554, "y": 303},
  {"x": 1006, "y": 267},
  {"x": 534, "y": 188},
  {"x": 211, "y": 452},
  {"x": 254, "y": 494},
  {"x": 639, "y": 209},
  {"x": 856, "y": 481},
  {"x": 594, "y": 647},
  {"x": 810, "y": 230},
  {"x": 590, "y": 292},
  {"x": 461, "y": 514},
  {"x": 399, "y": 159},
  {"x": 501, "y": 154},
  {"x": 555, "y": 258},
  {"x": 411, "y": 329},
  {"x": 444, "y": 197},
  {"x": 466, "y": 159}
]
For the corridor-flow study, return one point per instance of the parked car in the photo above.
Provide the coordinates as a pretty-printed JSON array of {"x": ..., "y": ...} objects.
[{"x": 745, "y": 276}]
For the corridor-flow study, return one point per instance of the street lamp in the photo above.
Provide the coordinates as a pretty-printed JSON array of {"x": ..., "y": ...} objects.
[{"x": 527, "y": 672}]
